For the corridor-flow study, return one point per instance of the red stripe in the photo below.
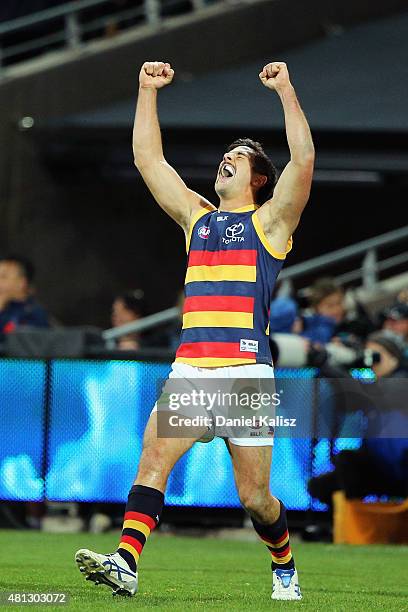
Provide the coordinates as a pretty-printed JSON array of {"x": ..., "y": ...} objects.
[
  {"x": 275, "y": 543},
  {"x": 285, "y": 535},
  {"x": 231, "y": 303},
  {"x": 268, "y": 540},
  {"x": 243, "y": 257},
  {"x": 143, "y": 518},
  {"x": 283, "y": 553},
  {"x": 212, "y": 349},
  {"x": 133, "y": 542}
]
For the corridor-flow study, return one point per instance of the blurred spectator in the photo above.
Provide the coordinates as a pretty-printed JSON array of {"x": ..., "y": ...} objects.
[
  {"x": 327, "y": 302},
  {"x": 380, "y": 466},
  {"x": 17, "y": 304},
  {"x": 330, "y": 319},
  {"x": 402, "y": 297},
  {"x": 128, "y": 307},
  {"x": 396, "y": 319},
  {"x": 283, "y": 318}
]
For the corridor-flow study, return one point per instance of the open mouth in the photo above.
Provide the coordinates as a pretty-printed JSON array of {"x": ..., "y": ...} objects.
[{"x": 227, "y": 171}]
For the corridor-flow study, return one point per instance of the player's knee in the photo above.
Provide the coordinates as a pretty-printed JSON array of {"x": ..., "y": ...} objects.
[
  {"x": 254, "y": 499},
  {"x": 153, "y": 458},
  {"x": 154, "y": 466}
]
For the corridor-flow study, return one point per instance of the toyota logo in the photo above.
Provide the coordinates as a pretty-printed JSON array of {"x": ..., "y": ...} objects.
[{"x": 234, "y": 230}]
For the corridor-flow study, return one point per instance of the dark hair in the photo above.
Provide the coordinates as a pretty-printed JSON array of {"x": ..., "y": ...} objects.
[
  {"x": 261, "y": 164},
  {"x": 322, "y": 288},
  {"x": 134, "y": 301},
  {"x": 25, "y": 266}
]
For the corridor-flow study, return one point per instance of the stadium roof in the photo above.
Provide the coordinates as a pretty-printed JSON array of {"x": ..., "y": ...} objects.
[{"x": 353, "y": 79}]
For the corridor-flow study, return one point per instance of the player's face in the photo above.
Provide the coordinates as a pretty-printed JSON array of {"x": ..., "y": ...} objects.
[{"x": 234, "y": 172}]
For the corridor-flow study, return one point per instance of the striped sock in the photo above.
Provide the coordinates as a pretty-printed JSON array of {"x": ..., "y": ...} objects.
[
  {"x": 276, "y": 538},
  {"x": 142, "y": 514}
]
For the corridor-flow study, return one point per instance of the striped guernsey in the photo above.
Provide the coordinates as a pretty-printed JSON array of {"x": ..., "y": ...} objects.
[{"x": 231, "y": 273}]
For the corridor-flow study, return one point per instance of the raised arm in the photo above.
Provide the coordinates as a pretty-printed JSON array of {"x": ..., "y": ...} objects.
[
  {"x": 166, "y": 186},
  {"x": 281, "y": 214}
]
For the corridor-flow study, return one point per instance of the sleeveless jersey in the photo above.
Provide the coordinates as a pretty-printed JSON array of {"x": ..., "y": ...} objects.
[{"x": 231, "y": 273}]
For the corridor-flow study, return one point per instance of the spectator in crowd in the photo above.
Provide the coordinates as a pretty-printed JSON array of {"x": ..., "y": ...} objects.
[
  {"x": 284, "y": 317},
  {"x": 128, "y": 307},
  {"x": 329, "y": 318},
  {"x": 396, "y": 319},
  {"x": 17, "y": 304},
  {"x": 380, "y": 466},
  {"x": 402, "y": 297}
]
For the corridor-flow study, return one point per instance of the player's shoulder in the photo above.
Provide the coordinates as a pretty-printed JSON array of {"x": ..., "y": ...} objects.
[{"x": 200, "y": 208}]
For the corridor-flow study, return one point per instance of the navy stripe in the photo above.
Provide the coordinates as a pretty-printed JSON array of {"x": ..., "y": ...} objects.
[
  {"x": 222, "y": 334},
  {"x": 240, "y": 288},
  {"x": 128, "y": 557},
  {"x": 134, "y": 533}
]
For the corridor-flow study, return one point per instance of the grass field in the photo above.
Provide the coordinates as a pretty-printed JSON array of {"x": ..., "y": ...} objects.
[{"x": 182, "y": 573}]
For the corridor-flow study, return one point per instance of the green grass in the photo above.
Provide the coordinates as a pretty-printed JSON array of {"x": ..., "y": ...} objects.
[{"x": 181, "y": 574}]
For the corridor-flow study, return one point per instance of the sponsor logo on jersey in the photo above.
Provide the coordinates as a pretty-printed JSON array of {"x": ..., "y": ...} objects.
[
  {"x": 248, "y": 346},
  {"x": 222, "y": 218},
  {"x": 204, "y": 231},
  {"x": 233, "y": 233}
]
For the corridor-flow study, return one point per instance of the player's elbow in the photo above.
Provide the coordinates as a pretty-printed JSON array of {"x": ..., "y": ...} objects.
[
  {"x": 305, "y": 158},
  {"x": 144, "y": 160},
  {"x": 309, "y": 156},
  {"x": 140, "y": 160}
]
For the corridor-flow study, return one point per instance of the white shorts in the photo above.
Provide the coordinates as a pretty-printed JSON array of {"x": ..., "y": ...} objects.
[{"x": 240, "y": 372}]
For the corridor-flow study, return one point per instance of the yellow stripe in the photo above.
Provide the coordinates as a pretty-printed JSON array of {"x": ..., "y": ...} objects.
[
  {"x": 265, "y": 242},
  {"x": 279, "y": 545},
  {"x": 246, "y": 208},
  {"x": 214, "y": 362},
  {"x": 200, "y": 213},
  {"x": 138, "y": 525},
  {"x": 221, "y": 273},
  {"x": 267, "y": 330},
  {"x": 130, "y": 549},
  {"x": 284, "y": 559},
  {"x": 215, "y": 318}
]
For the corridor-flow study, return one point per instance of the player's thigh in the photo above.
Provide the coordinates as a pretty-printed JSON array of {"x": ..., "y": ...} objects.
[
  {"x": 159, "y": 454},
  {"x": 252, "y": 467}
]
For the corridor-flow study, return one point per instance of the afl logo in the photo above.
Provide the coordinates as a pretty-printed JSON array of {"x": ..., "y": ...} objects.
[
  {"x": 204, "y": 231},
  {"x": 234, "y": 230}
]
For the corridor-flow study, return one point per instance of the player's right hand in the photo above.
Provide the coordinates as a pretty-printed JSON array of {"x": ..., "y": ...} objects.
[{"x": 155, "y": 75}]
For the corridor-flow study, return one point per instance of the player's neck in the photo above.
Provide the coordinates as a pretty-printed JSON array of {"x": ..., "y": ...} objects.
[{"x": 235, "y": 203}]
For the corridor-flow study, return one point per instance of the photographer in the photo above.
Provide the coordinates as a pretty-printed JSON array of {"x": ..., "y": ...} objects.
[{"x": 380, "y": 466}]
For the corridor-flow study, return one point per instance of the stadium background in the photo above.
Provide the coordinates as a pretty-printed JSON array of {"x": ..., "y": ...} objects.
[{"x": 71, "y": 200}]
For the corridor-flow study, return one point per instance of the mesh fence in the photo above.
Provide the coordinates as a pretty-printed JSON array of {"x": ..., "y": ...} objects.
[
  {"x": 71, "y": 430},
  {"x": 22, "y": 435}
]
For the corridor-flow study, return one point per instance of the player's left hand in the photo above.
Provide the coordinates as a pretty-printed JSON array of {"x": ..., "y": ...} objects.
[{"x": 275, "y": 76}]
